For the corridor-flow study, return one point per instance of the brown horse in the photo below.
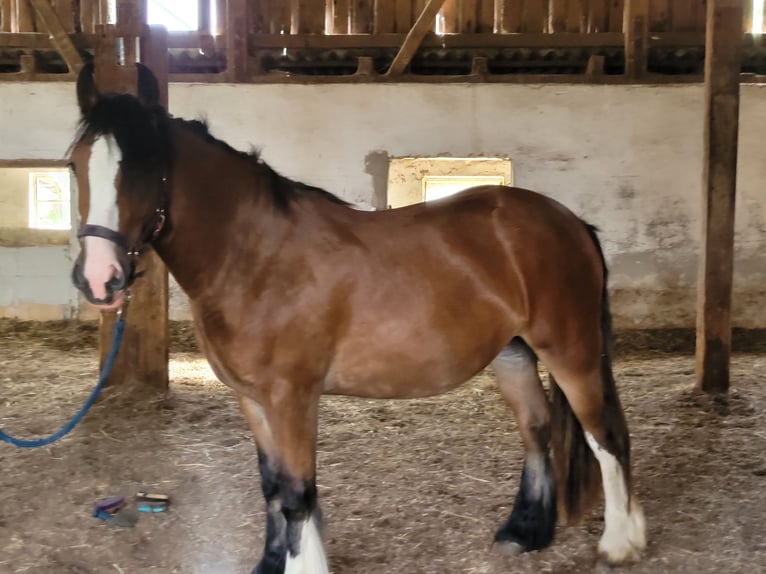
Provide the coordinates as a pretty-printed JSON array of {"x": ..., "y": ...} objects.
[{"x": 295, "y": 294}]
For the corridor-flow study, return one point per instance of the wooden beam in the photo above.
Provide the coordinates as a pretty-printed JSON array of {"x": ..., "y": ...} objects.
[
  {"x": 143, "y": 358},
  {"x": 723, "y": 50},
  {"x": 636, "y": 37},
  {"x": 563, "y": 40},
  {"x": 236, "y": 40},
  {"x": 58, "y": 34},
  {"x": 414, "y": 38}
]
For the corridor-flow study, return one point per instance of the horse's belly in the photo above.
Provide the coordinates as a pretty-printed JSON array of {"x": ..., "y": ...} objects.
[{"x": 406, "y": 374}]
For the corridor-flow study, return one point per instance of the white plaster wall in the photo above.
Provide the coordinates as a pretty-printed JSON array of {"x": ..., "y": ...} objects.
[{"x": 626, "y": 158}]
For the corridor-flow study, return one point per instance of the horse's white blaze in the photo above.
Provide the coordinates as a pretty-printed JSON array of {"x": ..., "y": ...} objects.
[
  {"x": 312, "y": 558},
  {"x": 101, "y": 263},
  {"x": 625, "y": 528}
]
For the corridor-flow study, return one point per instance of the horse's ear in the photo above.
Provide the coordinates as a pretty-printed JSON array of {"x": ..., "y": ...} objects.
[
  {"x": 87, "y": 93},
  {"x": 148, "y": 87}
]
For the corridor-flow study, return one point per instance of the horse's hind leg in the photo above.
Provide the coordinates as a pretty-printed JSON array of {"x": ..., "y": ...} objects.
[
  {"x": 533, "y": 519},
  {"x": 582, "y": 370}
]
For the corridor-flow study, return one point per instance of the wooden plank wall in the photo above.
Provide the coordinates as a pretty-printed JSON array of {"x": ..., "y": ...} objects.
[{"x": 398, "y": 16}]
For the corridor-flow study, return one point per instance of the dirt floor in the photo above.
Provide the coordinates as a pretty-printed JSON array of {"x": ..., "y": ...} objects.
[{"x": 408, "y": 487}]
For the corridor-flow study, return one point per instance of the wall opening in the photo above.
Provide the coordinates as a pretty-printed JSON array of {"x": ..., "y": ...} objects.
[{"x": 417, "y": 179}]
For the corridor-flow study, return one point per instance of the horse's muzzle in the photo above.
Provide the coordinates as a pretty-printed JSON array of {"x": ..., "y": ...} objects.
[{"x": 115, "y": 287}]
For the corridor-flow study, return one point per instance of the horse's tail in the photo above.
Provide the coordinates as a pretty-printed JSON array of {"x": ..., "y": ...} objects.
[{"x": 577, "y": 470}]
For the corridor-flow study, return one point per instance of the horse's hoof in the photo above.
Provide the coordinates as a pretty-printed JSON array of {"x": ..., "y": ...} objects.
[{"x": 509, "y": 548}]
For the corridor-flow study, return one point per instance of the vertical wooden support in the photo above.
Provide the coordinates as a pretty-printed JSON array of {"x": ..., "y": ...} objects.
[
  {"x": 236, "y": 40},
  {"x": 385, "y": 17},
  {"x": 361, "y": 16},
  {"x": 723, "y": 56},
  {"x": 403, "y": 18},
  {"x": 143, "y": 358},
  {"x": 307, "y": 17},
  {"x": 636, "y": 37}
]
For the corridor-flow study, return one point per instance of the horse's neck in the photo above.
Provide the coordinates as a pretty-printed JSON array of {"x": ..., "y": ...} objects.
[{"x": 216, "y": 214}]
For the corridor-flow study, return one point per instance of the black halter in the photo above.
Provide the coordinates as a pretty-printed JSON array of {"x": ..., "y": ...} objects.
[{"x": 131, "y": 253}]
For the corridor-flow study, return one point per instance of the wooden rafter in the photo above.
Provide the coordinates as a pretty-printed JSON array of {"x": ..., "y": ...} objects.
[
  {"x": 415, "y": 37},
  {"x": 59, "y": 36}
]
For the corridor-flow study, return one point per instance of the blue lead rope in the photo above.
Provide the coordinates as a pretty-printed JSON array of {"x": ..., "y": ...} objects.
[{"x": 119, "y": 327}]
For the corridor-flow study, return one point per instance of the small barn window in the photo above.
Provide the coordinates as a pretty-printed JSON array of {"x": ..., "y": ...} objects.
[
  {"x": 49, "y": 200},
  {"x": 417, "y": 179}
]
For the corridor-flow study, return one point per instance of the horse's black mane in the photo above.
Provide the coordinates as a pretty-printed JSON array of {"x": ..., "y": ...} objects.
[{"x": 145, "y": 140}]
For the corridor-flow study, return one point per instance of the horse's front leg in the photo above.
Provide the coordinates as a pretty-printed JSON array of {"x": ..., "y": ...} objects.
[{"x": 286, "y": 438}]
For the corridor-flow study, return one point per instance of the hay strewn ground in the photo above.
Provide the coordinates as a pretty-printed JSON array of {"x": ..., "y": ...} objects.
[{"x": 407, "y": 487}]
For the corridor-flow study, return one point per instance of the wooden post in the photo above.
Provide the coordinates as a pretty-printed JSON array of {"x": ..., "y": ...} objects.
[
  {"x": 636, "y": 37},
  {"x": 236, "y": 40},
  {"x": 143, "y": 358},
  {"x": 723, "y": 56}
]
